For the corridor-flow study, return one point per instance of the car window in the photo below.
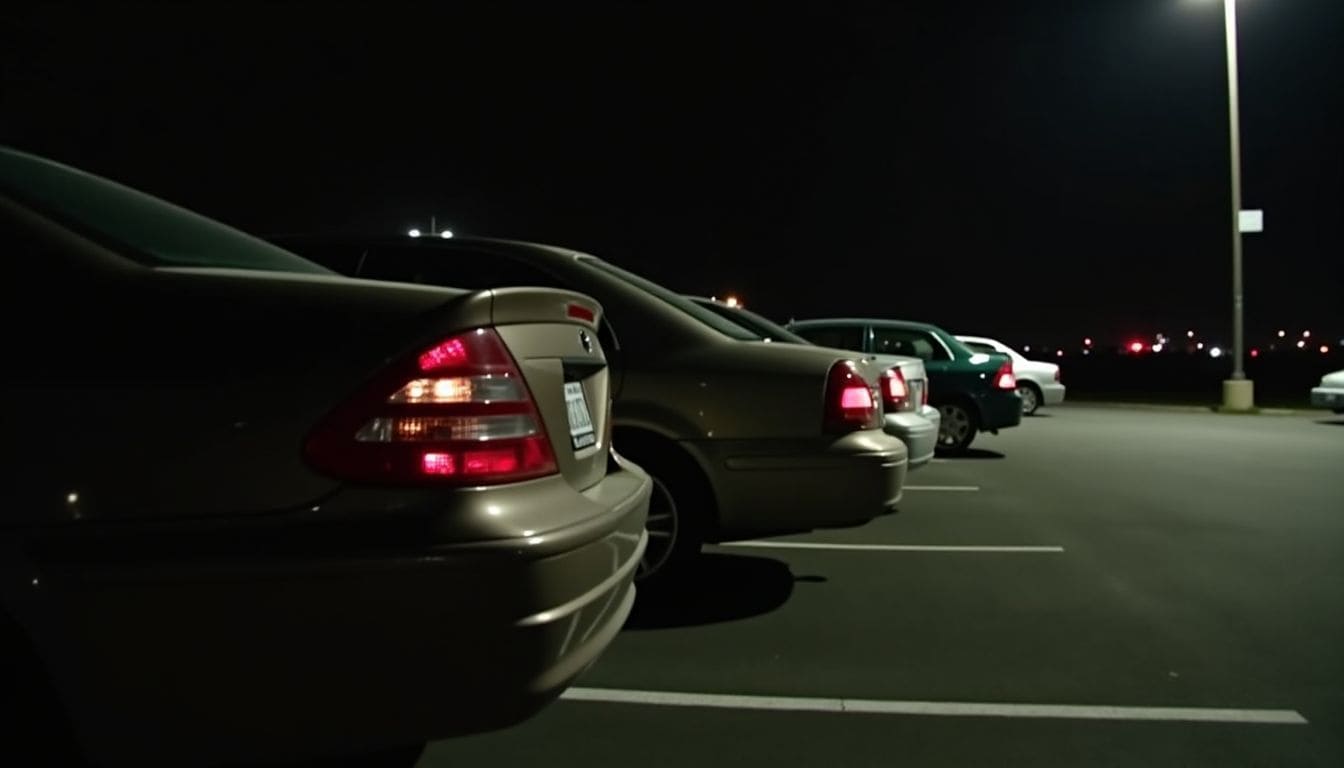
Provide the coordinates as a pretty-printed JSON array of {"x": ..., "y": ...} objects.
[
  {"x": 138, "y": 226},
  {"x": 908, "y": 341},
  {"x": 722, "y": 325},
  {"x": 758, "y": 324},
  {"x": 979, "y": 346},
  {"x": 834, "y": 336}
]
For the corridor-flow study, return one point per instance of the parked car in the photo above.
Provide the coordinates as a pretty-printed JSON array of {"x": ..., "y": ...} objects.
[
  {"x": 974, "y": 391},
  {"x": 905, "y": 391},
  {"x": 1038, "y": 381},
  {"x": 742, "y": 440},
  {"x": 258, "y": 511},
  {"x": 1330, "y": 394}
]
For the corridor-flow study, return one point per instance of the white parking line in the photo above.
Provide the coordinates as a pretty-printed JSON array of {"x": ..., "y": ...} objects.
[
  {"x": 890, "y": 547},
  {"x": 937, "y": 708},
  {"x": 941, "y": 487}
]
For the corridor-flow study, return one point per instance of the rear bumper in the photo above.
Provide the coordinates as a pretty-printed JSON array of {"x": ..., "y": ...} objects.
[
  {"x": 918, "y": 431},
  {"x": 1000, "y": 409},
  {"x": 1052, "y": 393},
  {"x": 773, "y": 486},
  {"x": 246, "y": 656}
]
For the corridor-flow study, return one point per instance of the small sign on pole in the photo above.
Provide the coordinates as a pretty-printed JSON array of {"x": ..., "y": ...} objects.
[{"x": 1251, "y": 221}]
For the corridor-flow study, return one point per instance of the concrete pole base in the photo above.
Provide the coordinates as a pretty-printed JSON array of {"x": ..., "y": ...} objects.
[{"x": 1238, "y": 395}]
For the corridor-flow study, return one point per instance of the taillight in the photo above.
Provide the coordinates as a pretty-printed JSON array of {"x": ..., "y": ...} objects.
[
  {"x": 1004, "y": 378},
  {"x": 895, "y": 394},
  {"x": 457, "y": 413},
  {"x": 1057, "y": 372},
  {"x": 924, "y": 393},
  {"x": 850, "y": 402}
]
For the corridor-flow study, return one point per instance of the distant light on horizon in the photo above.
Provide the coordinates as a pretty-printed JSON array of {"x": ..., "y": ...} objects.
[
  {"x": 1255, "y": 352},
  {"x": 414, "y": 233},
  {"x": 1060, "y": 353},
  {"x": 446, "y": 234},
  {"x": 1306, "y": 334},
  {"x": 1200, "y": 345},
  {"x": 1157, "y": 347},
  {"x": 1301, "y": 344},
  {"x": 1325, "y": 349},
  {"x": 1136, "y": 346},
  {"x": 732, "y": 301},
  {"x": 1215, "y": 352},
  {"x": 1189, "y": 334},
  {"x": 1087, "y": 341},
  {"x": 1282, "y": 334}
]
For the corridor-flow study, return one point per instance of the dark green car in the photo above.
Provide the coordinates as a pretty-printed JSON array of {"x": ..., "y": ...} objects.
[{"x": 974, "y": 391}]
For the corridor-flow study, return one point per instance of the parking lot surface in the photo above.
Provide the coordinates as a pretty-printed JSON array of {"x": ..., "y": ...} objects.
[{"x": 1099, "y": 586}]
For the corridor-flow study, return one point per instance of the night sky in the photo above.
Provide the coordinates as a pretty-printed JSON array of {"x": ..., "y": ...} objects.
[{"x": 1037, "y": 170}]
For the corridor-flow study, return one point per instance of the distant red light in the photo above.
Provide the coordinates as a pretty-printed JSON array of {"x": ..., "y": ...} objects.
[
  {"x": 1136, "y": 347},
  {"x": 1255, "y": 353}
]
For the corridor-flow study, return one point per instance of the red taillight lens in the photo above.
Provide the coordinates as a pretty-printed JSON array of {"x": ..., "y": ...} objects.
[
  {"x": 1057, "y": 372},
  {"x": 1004, "y": 378},
  {"x": 471, "y": 421},
  {"x": 895, "y": 394},
  {"x": 850, "y": 402}
]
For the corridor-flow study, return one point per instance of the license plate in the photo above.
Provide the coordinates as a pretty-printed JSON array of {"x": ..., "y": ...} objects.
[{"x": 580, "y": 419}]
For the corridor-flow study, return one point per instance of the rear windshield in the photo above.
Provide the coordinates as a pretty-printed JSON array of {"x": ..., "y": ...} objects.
[
  {"x": 138, "y": 226},
  {"x": 722, "y": 325}
]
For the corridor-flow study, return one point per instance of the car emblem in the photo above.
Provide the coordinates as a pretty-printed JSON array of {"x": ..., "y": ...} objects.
[{"x": 585, "y": 341}]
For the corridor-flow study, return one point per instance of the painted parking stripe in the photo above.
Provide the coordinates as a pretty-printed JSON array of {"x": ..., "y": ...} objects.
[
  {"x": 937, "y": 708},
  {"x": 891, "y": 547},
  {"x": 941, "y": 487}
]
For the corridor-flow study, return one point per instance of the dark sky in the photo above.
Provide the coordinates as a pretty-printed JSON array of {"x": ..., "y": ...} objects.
[{"x": 1029, "y": 170}]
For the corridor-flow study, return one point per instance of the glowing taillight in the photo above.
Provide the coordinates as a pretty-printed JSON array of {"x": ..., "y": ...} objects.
[
  {"x": 895, "y": 393},
  {"x": 471, "y": 421},
  {"x": 1057, "y": 374},
  {"x": 1004, "y": 378},
  {"x": 850, "y": 401}
]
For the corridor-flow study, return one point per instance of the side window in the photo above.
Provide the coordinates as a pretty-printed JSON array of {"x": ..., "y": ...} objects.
[
  {"x": 834, "y": 336},
  {"x": 980, "y": 346},
  {"x": 908, "y": 342}
]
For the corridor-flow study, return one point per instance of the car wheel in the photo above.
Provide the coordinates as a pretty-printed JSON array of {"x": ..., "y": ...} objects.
[
  {"x": 678, "y": 507},
  {"x": 1031, "y": 399},
  {"x": 957, "y": 428}
]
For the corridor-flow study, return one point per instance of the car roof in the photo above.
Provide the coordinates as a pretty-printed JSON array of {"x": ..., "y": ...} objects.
[{"x": 869, "y": 321}]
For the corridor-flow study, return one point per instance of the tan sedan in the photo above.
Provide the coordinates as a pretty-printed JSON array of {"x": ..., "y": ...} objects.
[{"x": 742, "y": 440}]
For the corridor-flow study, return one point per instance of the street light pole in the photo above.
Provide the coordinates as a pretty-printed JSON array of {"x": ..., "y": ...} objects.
[{"x": 1238, "y": 392}]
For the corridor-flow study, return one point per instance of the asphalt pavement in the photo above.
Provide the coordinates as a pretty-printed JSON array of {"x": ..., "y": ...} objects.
[{"x": 1099, "y": 586}]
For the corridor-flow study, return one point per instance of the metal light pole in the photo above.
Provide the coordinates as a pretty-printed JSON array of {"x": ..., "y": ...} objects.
[{"x": 1238, "y": 392}]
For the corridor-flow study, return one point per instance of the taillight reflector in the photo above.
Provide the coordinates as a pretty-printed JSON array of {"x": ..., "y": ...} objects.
[
  {"x": 1004, "y": 378},
  {"x": 474, "y": 422}
]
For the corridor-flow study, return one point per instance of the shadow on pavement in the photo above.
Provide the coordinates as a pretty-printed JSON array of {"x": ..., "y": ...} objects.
[
  {"x": 978, "y": 453},
  {"x": 1335, "y": 422},
  {"x": 721, "y": 588}
]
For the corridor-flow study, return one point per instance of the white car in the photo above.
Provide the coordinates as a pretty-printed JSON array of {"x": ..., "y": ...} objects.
[
  {"x": 1037, "y": 381},
  {"x": 1330, "y": 394}
]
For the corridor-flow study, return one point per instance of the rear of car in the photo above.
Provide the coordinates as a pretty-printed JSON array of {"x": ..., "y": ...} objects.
[
  {"x": 974, "y": 392},
  {"x": 1038, "y": 382},
  {"x": 907, "y": 414},
  {"x": 265, "y": 512},
  {"x": 741, "y": 439}
]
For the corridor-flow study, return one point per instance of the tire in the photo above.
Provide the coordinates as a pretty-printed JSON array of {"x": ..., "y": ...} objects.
[
  {"x": 1031, "y": 397},
  {"x": 957, "y": 428},
  {"x": 679, "y": 509}
]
